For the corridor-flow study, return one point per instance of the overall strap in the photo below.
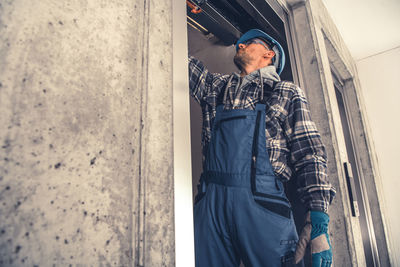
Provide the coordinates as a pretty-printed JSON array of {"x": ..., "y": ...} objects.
[
  {"x": 262, "y": 86},
  {"x": 274, "y": 83},
  {"x": 254, "y": 152},
  {"x": 228, "y": 84}
]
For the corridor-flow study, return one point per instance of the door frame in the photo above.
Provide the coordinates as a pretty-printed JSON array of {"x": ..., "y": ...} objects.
[
  {"x": 340, "y": 85},
  {"x": 184, "y": 233},
  {"x": 184, "y": 239},
  {"x": 328, "y": 55},
  {"x": 367, "y": 168},
  {"x": 320, "y": 48}
]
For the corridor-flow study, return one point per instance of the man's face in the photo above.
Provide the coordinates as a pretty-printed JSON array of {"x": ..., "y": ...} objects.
[{"x": 250, "y": 52}]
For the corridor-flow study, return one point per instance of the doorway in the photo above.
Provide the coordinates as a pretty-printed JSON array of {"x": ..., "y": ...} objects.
[{"x": 212, "y": 34}]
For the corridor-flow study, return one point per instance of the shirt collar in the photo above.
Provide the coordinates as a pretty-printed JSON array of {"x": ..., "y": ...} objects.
[{"x": 268, "y": 74}]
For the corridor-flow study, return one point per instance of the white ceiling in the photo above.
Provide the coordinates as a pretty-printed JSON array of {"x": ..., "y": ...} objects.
[{"x": 368, "y": 27}]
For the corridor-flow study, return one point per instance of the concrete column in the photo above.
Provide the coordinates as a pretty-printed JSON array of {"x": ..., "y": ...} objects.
[
  {"x": 321, "y": 49},
  {"x": 314, "y": 84},
  {"x": 86, "y": 153}
]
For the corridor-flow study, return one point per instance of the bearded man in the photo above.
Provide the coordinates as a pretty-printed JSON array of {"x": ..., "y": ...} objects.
[{"x": 257, "y": 135}]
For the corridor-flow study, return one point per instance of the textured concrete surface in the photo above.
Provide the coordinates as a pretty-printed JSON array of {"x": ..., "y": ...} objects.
[
  {"x": 313, "y": 82},
  {"x": 85, "y": 156},
  {"x": 157, "y": 139},
  {"x": 340, "y": 58},
  {"x": 314, "y": 29}
]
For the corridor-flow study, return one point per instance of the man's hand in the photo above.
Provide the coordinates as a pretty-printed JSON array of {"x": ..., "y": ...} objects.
[{"x": 316, "y": 231}]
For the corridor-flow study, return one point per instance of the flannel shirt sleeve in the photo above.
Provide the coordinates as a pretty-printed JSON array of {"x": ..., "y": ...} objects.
[
  {"x": 202, "y": 83},
  {"x": 308, "y": 155},
  {"x": 199, "y": 79}
]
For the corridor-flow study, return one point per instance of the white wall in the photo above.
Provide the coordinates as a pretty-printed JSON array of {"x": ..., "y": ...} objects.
[{"x": 379, "y": 76}]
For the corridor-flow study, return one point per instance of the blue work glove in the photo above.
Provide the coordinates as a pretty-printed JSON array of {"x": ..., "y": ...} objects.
[{"x": 315, "y": 233}]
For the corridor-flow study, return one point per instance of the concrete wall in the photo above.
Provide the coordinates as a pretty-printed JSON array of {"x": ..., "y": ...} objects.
[
  {"x": 320, "y": 48},
  {"x": 86, "y": 171},
  {"x": 313, "y": 82},
  {"x": 337, "y": 58},
  {"x": 381, "y": 94}
]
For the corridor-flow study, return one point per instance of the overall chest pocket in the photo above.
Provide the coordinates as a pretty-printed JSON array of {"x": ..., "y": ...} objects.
[{"x": 230, "y": 146}]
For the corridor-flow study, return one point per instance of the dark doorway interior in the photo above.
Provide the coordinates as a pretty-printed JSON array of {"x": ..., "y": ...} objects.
[
  {"x": 218, "y": 58},
  {"x": 211, "y": 38}
]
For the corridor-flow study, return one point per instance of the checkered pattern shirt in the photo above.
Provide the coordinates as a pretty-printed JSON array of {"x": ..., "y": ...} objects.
[{"x": 293, "y": 142}]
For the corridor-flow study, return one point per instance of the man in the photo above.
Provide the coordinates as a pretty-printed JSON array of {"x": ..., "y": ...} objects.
[{"x": 257, "y": 134}]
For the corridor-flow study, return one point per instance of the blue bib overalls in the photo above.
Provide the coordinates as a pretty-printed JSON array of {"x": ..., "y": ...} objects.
[{"x": 241, "y": 211}]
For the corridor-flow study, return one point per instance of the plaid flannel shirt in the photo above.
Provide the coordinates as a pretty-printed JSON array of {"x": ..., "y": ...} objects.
[{"x": 293, "y": 142}]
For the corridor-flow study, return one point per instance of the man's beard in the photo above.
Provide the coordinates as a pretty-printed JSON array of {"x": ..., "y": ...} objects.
[{"x": 241, "y": 60}]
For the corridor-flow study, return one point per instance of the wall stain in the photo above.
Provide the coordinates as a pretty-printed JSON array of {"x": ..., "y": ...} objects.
[
  {"x": 7, "y": 143},
  {"x": 17, "y": 204}
]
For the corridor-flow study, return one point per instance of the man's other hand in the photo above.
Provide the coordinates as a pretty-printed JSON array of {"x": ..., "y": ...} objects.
[{"x": 315, "y": 232}]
